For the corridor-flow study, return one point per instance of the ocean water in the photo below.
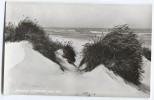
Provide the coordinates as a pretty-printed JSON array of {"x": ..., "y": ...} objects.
[{"x": 144, "y": 35}]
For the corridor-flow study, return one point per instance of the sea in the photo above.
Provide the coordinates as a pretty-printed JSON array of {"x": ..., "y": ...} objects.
[{"x": 144, "y": 35}]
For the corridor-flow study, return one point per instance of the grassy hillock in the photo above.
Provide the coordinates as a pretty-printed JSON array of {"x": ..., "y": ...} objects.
[
  {"x": 119, "y": 51},
  {"x": 28, "y": 29}
]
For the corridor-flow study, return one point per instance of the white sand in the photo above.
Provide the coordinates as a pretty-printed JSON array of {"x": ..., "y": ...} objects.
[
  {"x": 28, "y": 72},
  {"x": 147, "y": 71},
  {"x": 14, "y": 54}
]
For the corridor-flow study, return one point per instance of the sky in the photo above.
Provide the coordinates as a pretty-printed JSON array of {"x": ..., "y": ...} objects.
[{"x": 81, "y": 15}]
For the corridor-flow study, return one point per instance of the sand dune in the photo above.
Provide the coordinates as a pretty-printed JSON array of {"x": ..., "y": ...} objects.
[{"x": 28, "y": 72}]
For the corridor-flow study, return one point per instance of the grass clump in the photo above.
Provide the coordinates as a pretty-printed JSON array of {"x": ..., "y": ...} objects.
[
  {"x": 9, "y": 32},
  {"x": 28, "y": 29},
  {"x": 119, "y": 51},
  {"x": 147, "y": 53},
  {"x": 69, "y": 52}
]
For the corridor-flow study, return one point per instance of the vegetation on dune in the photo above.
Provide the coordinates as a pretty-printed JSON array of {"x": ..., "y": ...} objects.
[
  {"x": 69, "y": 52},
  {"x": 9, "y": 32},
  {"x": 28, "y": 29},
  {"x": 147, "y": 53},
  {"x": 119, "y": 51}
]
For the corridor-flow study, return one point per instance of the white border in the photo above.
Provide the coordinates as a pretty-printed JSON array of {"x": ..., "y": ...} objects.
[
  {"x": 91, "y": 1},
  {"x": 2, "y": 5},
  {"x": 37, "y": 97}
]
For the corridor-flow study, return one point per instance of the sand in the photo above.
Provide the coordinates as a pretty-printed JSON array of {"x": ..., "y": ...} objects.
[{"x": 28, "y": 72}]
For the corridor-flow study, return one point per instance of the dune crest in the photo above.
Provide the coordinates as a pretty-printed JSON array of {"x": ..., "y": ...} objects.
[{"x": 35, "y": 72}]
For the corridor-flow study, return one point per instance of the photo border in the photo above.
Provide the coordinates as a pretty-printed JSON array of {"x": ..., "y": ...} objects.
[{"x": 38, "y": 97}]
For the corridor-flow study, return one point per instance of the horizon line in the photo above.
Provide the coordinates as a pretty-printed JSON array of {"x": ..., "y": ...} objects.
[{"x": 94, "y": 27}]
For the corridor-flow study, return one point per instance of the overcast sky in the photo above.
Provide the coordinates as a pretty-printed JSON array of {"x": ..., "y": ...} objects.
[{"x": 81, "y": 15}]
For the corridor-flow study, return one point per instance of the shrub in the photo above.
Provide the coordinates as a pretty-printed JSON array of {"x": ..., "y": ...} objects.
[
  {"x": 147, "y": 53},
  {"x": 9, "y": 31},
  {"x": 119, "y": 51},
  {"x": 28, "y": 29},
  {"x": 69, "y": 52}
]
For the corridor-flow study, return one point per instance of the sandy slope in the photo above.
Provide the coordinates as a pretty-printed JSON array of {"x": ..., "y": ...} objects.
[
  {"x": 28, "y": 72},
  {"x": 14, "y": 54},
  {"x": 147, "y": 71},
  {"x": 77, "y": 44}
]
